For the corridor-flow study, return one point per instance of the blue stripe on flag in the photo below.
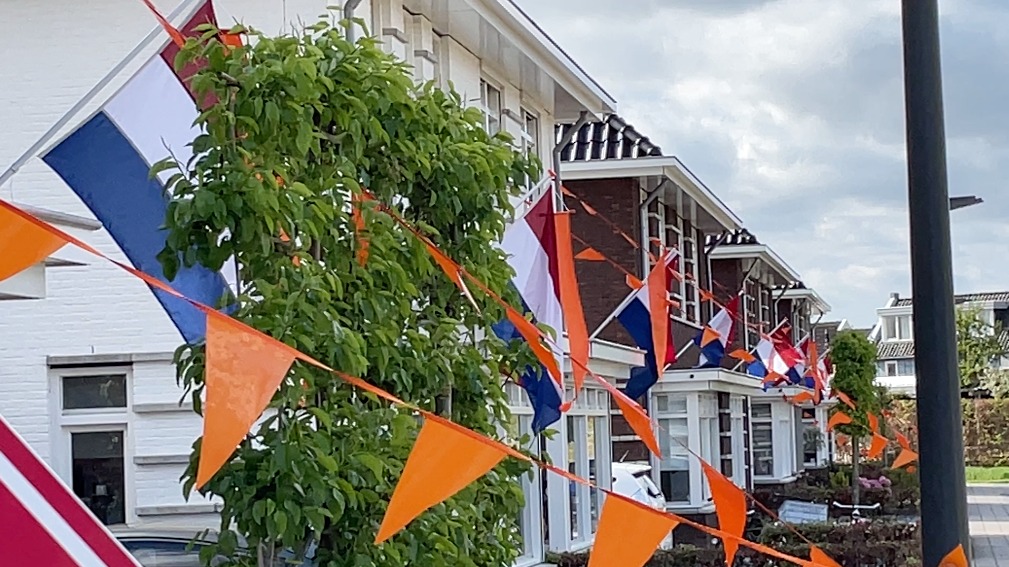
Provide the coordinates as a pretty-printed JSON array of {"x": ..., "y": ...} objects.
[
  {"x": 536, "y": 381},
  {"x": 636, "y": 319},
  {"x": 104, "y": 169}
]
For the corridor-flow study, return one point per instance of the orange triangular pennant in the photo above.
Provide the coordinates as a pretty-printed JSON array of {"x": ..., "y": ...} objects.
[
  {"x": 801, "y": 398},
  {"x": 174, "y": 33},
  {"x": 817, "y": 558},
  {"x": 358, "y": 218},
  {"x": 244, "y": 370},
  {"x": 877, "y": 447},
  {"x": 906, "y": 457},
  {"x": 730, "y": 507},
  {"x": 25, "y": 243},
  {"x": 590, "y": 254},
  {"x": 873, "y": 423},
  {"x": 659, "y": 313},
  {"x": 708, "y": 336},
  {"x": 533, "y": 335},
  {"x": 742, "y": 355},
  {"x": 839, "y": 418},
  {"x": 444, "y": 460},
  {"x": 634, "y": 283},
  {"x": 620, "y": 518},
  {"x": 571, "y": 301},
  {"x": 956, "y": 558},
  {"x": 844, "y": 398},
  {"x": 634, "y": 415},
  {"x": 588, "y": 209}
]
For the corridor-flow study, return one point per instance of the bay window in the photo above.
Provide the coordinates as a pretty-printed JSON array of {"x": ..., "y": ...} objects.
[
  {"x": 709, "y": 435},
  {"x": 588, "y": 456},
  {"x": 530, "y": 520},
  {"x": 674, "y": 439},
  {"x": 773, "y": 431},
  {"x": 736, "y": 414},
  {"x": 688, "y": 420},
  {"x": 762, "y": 439}
]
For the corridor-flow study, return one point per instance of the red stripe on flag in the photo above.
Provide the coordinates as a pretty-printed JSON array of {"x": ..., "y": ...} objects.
[
  {"x": 203, "y": 15},
  {"x": 24, "y": 541},
  {"x": 541, "y": 221},
  {"x": 63, "y": 501}
]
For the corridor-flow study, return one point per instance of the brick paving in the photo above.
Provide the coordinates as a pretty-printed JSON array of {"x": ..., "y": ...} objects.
[{"x": 988, "y": 507}]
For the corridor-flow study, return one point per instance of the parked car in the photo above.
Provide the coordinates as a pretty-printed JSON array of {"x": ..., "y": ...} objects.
[
  {"x": 173, "y": 547},
  {"x": 634, "y": 480}
]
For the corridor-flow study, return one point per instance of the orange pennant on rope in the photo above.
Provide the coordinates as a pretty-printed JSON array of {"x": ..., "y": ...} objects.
[
  {"x": 444, "y": 460},
  {"x": 532, "y": 336},
  {"x": 877, "y": 447},
  {"x": 634, "y": 283},
  {"x": 956, "y": 558},
  {"x": 244, "y": 370},
  {"x": 26, "y": 242},
  {"x": 801, "y": 398},
  {"x": 358, "y": 217},
  {"x": 658, "y": 309},
  {"x": 590, "y": 254},
  {"x": 844, "y": 398},
  {"x": 452, "y": 270},
  {"x": 634, "y": 414},
  {"x": 173, "y": 32},
  {"x": 906, "y": 457},
  {"x": 839, "y": 418},
  {"x": 817, "y": 558},
  {"x": 588, "y": 209},
  {"x": 571, "y": 301},
  {"x": 621, "y": 518},
  {"x": 744, "y": 356},
  {"x": 730, "y": 507}
]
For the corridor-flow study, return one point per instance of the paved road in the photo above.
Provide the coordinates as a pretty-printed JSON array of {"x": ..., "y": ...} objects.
[{"x": 988, "y": 506}]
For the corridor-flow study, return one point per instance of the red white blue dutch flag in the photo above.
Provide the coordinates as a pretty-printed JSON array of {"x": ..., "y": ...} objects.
[{"x": 107, "y": 162}]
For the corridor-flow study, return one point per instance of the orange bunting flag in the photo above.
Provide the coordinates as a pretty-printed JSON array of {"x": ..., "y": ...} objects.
[
  {"x": 629, "y": 240},
  {"x": 956, "y": 558},
  {"x": 296, "y": 260},
  {"x": 26, "y": 243},
  {"x": 358, "y": 217},
  {"x": 744, "y": 356},
  {"x": 532, "y": 336},
  {"x": 628, "y": 533},
  {"x": 844, "y": 398},
  {"x": 817, "y": 558},
  {"x": 587, "y": 208},
  {"x": 634, "y": 415},
  {"x": 730, "y": 507},
  {"x": 906, "y": 457},
  {"x": 801, "y": 398},
  {"x": 445, "y": 459},
  {"x": 659, "y": 312},
  {"x": 877, "y": 447},
  {"x": 902, "y": 440},
  {"x": 571, "y": 301},
  {"x": 634, "y": 283},
  {"x": 839, "y": 418},
  {"x": 244, "y": 370},
  {"x": 873, "y": 423},
  {"x": 452, "y": 270},
  {"x": 590, "y": 255},
  {"x": 174, "y": 33}
]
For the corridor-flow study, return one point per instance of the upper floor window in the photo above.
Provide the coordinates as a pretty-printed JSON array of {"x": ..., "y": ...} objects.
[
  {"x": 667, "y": 229},
  {"x": 490, "y": 100},
  {"x": 892, "y": 368},
  {"x": 530, "y": 133},
  {"x": 897, "y": 328}
]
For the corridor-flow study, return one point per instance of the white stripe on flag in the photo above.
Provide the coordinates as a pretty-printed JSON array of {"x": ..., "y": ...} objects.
[
  {"x": 156, "y": 113},
  {"x": 47, "y": 516}
]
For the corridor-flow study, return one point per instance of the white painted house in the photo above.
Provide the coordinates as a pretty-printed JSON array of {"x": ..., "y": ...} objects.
[{"x": 86, "y": 374}]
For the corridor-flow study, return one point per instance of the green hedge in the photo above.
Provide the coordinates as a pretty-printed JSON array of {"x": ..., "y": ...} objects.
[
  {"x": 985, "y": 429},
  {"x": 877, "y": 544}
]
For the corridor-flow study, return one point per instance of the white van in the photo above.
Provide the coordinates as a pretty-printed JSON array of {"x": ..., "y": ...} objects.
[{"x": 634, "y": 480}]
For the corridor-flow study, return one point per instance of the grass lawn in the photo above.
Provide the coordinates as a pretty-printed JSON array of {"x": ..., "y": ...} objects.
[{"x": 987, "y": 474}]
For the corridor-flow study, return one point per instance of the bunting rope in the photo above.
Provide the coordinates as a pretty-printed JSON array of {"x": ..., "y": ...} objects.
[{"x": 48, "y": 244}]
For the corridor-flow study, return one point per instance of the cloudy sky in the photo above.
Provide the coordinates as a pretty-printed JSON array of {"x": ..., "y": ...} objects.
[{"x": 792, "y": 111}]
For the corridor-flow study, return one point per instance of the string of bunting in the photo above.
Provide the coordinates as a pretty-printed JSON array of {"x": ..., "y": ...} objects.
[{"x": 446, "y": 457}]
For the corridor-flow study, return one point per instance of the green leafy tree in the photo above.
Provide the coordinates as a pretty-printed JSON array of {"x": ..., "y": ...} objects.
[
  {"x": 300, "y": 123},
  {"x": 854, "y": 358},
  {"x": 980, "y": 346}
]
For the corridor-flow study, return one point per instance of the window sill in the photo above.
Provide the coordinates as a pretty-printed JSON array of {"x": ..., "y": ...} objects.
[
  {"x": 688, "y": 323},
  {"x": 775, "y": 480}
]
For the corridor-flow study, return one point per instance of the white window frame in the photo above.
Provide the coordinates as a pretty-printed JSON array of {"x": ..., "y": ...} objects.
[
  {"x": 737, "y": 406},
  {"x": 783, "y": 442},
  {"x": 699, "y": 493},
  {"x": 767, "y": 421},
  {"x": 592, "y": 404},
  {"x": 493, "y": 114},
  {"x": 709, "y": 437},
  {"x": 890, "y": 368},
  {"x": 531, "y": 516},
  {"x": 65, "y": 423}
]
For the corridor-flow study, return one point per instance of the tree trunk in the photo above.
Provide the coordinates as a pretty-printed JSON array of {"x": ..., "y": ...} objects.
[{"x": 856, "y": 456}]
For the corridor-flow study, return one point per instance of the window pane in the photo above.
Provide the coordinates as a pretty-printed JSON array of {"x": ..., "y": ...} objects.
[
  {"x": 593, "y": 476},
  {"x": 573, "y": 469},
  {"x": 905, "y": 367},
  {"x": 763, "y": 449},
  {"x": 105, "y": 391},
  {"x": 676, "y": 485},
  {"x": 904, "y": 327},
  {"x": 761, "y": 411},
  {"x": 98, "y": 477}
]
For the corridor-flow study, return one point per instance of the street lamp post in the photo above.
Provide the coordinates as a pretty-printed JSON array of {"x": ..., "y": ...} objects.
[{"x": 943, "y": 485}]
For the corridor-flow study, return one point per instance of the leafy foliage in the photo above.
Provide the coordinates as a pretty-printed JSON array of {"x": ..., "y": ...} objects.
[
  {"x": 979, "y": 347},
  {"x": 301, "y": 123},
  {"x": 854, "y": 360}
]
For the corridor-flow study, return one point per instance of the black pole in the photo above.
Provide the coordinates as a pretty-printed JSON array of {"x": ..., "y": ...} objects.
[{"x": 943, "y": 485}]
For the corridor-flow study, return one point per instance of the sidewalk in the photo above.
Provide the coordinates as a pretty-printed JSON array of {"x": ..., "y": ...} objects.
[{"x": 988, "y": 508}]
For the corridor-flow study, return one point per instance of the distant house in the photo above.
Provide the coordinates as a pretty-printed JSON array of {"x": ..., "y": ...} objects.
[
  {"x": 894, "y": 338},
  {"x": 721, "y": 414}
]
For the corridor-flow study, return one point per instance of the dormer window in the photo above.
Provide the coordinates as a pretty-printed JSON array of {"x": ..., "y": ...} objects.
[{"x": 897, "y": 328}]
